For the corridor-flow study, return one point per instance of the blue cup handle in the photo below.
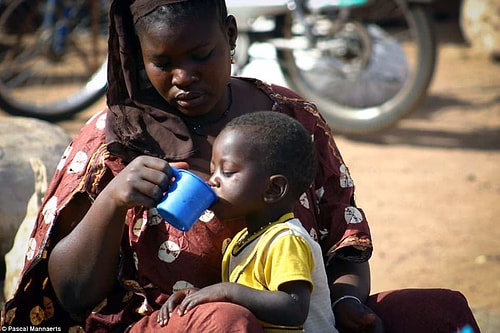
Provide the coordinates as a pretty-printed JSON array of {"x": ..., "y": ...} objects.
[
  {"x": 173, "y": 185},
  {"x": 175, "y": 172}
]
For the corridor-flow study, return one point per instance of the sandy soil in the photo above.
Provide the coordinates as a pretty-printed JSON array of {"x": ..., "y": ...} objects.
[{"x": 431, "y": 186}]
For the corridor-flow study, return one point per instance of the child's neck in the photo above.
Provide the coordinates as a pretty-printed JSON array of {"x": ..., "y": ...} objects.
[{"x": 257, "y": 223}]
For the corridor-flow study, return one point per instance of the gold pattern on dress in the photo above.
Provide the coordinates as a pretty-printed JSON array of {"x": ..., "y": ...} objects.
[
  {"x": 100, "y": 155},
  {"x": 364, "y": 245},
  {"x": 45, "y": 281},
  {"x": 100, "y": 306},
  {"x": 10, "y": 315},
  {"x": 128, "y": 295},
  {"x": 225, "y": 243},
  {"x": 134, "y": 285},
  {"x": 28, "y": 284},
  {"x": 37, "y": 315}
]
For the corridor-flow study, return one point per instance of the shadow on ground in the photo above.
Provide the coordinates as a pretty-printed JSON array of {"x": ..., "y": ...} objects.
[{"x": 408, "y": 132}]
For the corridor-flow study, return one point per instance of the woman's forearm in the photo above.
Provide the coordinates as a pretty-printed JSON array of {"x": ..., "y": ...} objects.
[
  {"x": 83, "y": 265},
  {"x": 348, "y": 278}
]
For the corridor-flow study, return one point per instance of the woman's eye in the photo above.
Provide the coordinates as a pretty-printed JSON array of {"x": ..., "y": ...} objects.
[
  {"x": 163, "y": 66},
  {"x": 202, "y": 56}
]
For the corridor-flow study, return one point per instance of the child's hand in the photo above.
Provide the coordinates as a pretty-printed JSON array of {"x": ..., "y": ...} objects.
[
  {"x": 168, "y": 307},
  {"x": 214, "y": 293}
]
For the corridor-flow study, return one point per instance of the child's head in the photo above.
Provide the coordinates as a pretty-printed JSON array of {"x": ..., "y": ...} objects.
[
  {"x": 266, "y": 156},
  {"x": 282, "y": 146}
]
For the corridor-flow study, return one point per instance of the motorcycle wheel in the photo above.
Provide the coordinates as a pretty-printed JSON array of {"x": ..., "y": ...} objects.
[
  {"x": 372, "y": 71},
  {"x": 37, "y": 81}
]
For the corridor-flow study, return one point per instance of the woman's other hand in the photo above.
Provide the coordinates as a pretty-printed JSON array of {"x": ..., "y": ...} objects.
[{"x": 354, "y": 317}]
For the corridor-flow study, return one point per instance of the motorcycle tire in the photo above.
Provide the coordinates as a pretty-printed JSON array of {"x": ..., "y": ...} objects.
[
  {"x": 388, "y": 81},
  {"x": 41, "y": 81}
]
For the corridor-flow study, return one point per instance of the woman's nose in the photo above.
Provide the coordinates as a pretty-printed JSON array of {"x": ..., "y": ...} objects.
[{"x": 183, "y": 77}]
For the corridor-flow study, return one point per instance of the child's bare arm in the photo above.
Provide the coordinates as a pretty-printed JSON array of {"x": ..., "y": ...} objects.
[{"x": 289, "y": 306}]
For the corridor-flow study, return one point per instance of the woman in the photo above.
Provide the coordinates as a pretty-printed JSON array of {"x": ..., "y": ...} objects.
[{"x": 101, "y": 258}]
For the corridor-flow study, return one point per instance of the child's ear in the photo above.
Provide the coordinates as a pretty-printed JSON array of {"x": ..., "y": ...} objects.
[{"x": 277, "y": 188}]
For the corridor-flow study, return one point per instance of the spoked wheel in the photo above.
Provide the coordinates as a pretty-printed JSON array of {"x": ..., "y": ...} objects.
[
  {"x": 52, "y": 58},
  {"x": 365, "y": 68}
]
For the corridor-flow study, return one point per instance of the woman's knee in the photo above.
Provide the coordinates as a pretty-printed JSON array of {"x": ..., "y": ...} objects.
[
  {"x": 423, "y": 310},
  {"x": 213, "y": 317}
]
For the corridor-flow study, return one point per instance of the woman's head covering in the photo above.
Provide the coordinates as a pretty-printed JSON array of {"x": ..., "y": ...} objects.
[
  {"x": 142, "y": 8},
  {"x": 135, "y": 124}
]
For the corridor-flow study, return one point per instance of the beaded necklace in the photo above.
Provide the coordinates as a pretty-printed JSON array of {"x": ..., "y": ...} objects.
[
  {"x": 197, "y": 127},
  {"x": 250, "y": 237}
]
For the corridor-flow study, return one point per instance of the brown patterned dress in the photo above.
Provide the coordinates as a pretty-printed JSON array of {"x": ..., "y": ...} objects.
[{"x": 157, "y": 259}]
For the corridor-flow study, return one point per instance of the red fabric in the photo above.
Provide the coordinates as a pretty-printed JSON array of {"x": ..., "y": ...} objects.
[
  {"x": 423, "y": 310},
  {"x": 205, "y": 318}
]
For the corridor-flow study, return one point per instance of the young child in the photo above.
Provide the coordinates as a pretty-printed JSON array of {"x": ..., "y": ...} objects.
[{"x": 261, "y": 164}]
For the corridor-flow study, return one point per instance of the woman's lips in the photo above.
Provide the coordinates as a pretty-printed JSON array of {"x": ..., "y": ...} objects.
[{"x": 189, "y": 100}]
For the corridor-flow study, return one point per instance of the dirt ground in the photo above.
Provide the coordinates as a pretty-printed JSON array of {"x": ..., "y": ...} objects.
[{"x": 431, "y": 186}]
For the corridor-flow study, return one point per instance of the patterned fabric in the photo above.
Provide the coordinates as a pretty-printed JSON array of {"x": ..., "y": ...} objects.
[{"x": 158, "y": 259}]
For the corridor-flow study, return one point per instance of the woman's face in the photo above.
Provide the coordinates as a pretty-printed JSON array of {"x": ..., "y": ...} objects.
[
  {"x": 236, "y": 177},
  {"x": 189, "y": 64}
]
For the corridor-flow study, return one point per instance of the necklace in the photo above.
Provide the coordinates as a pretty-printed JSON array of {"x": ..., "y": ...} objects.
[
  {"x": 250, "y": 237},
  {"x": 197, "y": 127}
]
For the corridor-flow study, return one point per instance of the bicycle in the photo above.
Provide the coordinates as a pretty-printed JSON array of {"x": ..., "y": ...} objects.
[{"x": 52, "y": 45}]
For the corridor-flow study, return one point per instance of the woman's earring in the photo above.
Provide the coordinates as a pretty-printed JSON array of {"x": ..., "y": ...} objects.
[{"x": 233, "y": 53}]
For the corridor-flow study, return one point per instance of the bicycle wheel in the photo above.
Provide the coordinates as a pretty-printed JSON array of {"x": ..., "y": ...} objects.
[
  {"x": 52, "y": 57},
  {"x": 365, "y": 70}
]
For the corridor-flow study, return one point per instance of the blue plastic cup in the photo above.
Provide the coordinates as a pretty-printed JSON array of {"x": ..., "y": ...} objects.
[{"x": 186, "y": 199}]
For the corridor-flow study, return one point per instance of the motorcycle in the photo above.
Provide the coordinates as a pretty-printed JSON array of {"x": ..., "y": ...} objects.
[
  {"x": 48, "y": 46},
  {"x": 365, "y": 63}
]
